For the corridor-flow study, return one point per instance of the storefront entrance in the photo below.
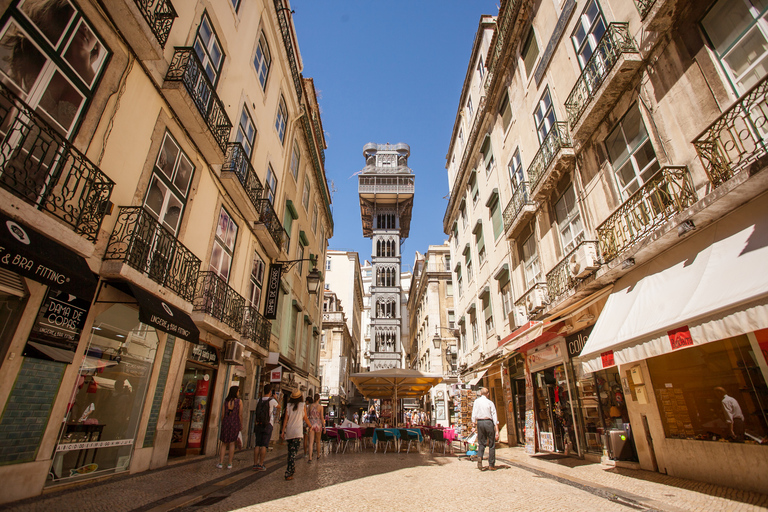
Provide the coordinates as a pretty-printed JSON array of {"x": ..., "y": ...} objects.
[{"x": 553, "y": 411}]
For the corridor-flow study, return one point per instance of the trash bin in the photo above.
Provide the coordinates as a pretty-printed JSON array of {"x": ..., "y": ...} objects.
[{"x": 620, "y": 445}]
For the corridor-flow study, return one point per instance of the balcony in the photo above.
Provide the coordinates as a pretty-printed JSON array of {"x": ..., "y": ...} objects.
[
  {"x": 147, "y": 37},
  {"x": 735, "y": 141},
  {"x": 574, "y": 268},
  {"x": 220, "y": 305},
  {"x": 657, "y": 15},
  {"x": 193, "y": 97},
  {"x": 39, "y": 166},
  {"x": 256, "y": 328},
  {"x": 667, "y": 193},
  {"x": 554, "y": 158},
  {"x": 241, "y": 181},
  {"x": 333, "y": 317},
  {"x": 605, "y": 76},
  {"x": 519, "y": 210},
  {"x": 140, "y": 242},
  {"x": 269, "y": 230}
]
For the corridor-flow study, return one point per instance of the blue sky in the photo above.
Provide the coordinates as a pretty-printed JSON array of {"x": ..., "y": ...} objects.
[{"x": 388, "y": 71}]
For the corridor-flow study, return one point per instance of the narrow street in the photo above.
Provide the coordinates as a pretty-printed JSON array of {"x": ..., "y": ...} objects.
[{"x": 396, "y": 481}]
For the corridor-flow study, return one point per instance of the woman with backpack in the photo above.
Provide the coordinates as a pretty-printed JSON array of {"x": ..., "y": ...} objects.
[
  {"x": 230, "y": 425},
  {"x": 295, "y": 416}
]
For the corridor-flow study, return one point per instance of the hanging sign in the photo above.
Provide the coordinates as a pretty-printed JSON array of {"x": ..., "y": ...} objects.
[
  {"x": 276, "y": 375},
  {"x": 273, "y": 291}
]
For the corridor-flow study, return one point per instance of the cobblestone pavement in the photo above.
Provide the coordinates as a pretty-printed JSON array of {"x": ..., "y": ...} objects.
[{"x": 392, "y": 482}]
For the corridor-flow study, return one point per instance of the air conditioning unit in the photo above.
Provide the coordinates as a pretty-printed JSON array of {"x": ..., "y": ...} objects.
[
  {"x": 583, "y": 261},
  {"x": 234, "y": 352},
  {"x": 535, "y": 300},
  {"x": 517, "y": 317}
]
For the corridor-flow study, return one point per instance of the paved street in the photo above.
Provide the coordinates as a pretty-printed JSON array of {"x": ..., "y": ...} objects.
[{"x": 395, "y": 481}]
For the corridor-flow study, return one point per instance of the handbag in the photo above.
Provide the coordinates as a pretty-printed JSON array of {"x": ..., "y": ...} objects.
[{"x": 239, "y": 442}]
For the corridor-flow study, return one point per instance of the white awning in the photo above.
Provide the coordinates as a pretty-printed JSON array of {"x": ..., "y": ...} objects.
[
  {"x": 474, "y": 381},
  {"x": 715, "y": 283}
]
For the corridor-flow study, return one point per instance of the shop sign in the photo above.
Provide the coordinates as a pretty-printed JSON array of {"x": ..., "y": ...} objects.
[
  {"x": 276, "y": 375},
  {"x": 68, "y": 447},
  {"x": 542, "y": 356},
  {"x": 60, "y": 320},
  {"x": 273, "y": 291},
  {"x": 680, "y": 337},
  {"x": 204, "y": 354},
  {"x": 607, "y": 359},
  {"x": 576, "y": 342},
  {"x": 547, "y": 441},
  {"x": 288, "y": 380}
]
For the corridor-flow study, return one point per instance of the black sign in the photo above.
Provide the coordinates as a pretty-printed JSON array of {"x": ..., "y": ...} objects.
[
  {"x": 59, "y": 324},
  {"x": 205, "y": 354},
  {"x": 159, "y": 314},
  {"x": 273, "y": 291},
  {"x": 31, "y": 254},
  {"x": 576, "y": 342}
]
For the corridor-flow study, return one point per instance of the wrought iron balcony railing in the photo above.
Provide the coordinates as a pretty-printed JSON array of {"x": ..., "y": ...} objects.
[
  {"x": 615, "y": 41},
  {"x": 737, "y": 138},
  {"x": 238, "y": 163},
  {"x": 143, "y": 243},
  {"x": 41, "y": 167},
  {"x": 268, "y": 217},
  {"x": 216, "y": 298},
  {"x": 520, "y": 198},
  {"x": 668, "y": 192},
  {"x": 556, "y": 139},
  {"x": 159, "y": 15},
  {"x": 562, "y": 278},
  {"x": 644, "y": 6},
  {"x": 255, "y": 327},
  {"x": 187, "y": 68},
  {"x": 386, "y": 184}
]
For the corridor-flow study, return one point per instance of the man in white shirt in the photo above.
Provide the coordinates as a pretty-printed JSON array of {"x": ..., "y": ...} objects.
[
  {"x": 487, "y": 426},
  {"x": 733, "y": 415}
]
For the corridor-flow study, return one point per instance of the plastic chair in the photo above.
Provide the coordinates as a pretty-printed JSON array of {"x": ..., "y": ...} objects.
[
  {"x": 343, "y": 438},
  {"x": 368, "y": 435},
  {"x": 388, "y": 436},
  {"x": 437, "y": 437},
  {"x": 410, "y": 436},
  {"x": 326, "y": 440}
]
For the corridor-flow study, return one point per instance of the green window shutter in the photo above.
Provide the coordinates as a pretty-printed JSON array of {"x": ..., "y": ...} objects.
[{"x": 496, "y": 220}]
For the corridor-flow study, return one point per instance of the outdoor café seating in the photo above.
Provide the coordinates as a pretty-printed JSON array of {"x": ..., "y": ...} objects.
[
  {"x": 411, "y": 435},
  {"x": 385, "y": 434},
  {"x": 437, "y": 437}
]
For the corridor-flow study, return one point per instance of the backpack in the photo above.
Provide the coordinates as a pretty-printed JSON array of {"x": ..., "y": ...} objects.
[{"x": 262, "y": 412}]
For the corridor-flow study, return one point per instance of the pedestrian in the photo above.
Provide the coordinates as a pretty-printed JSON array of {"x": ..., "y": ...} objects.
[
  {"x": 357, "y": 418},
  {"x": 316, "y": 432},
  {"x": 733, "y": 415},
  {"x": 486, "y": 422},
  {"x": 264, "y": 422},
  {"x": 230, "y": 425},
  {"x": 295, "y": 412}
]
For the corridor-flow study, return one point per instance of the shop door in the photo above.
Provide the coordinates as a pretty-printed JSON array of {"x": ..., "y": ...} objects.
[
  {"x": 518, "y": 398},
  {"x": 192, "y": 411}
]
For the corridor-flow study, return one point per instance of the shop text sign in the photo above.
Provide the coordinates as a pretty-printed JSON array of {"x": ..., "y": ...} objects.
[
  {"x": 204, "y": 354},
  {"x": 576, "y": 342},
  {"x": 60, "y": 320},
  {"x": 276, "y": 375},
  {"x": 69, "y": 447},
  {"x": 273, "y": 291},
  {"x": 680, "y": 337}
]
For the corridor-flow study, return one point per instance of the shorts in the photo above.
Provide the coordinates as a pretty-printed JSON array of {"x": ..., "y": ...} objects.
[{"x": 263, "y": 433}]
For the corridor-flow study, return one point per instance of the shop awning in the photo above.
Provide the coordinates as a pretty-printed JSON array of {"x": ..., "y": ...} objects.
[
  {"x": 479, "y": 376},
  {"x": 31, "y": 254},
  {"x": 156, "y": 312},
  {"x": 712, "y": 286},
  {"x": 521, "y": 336}
]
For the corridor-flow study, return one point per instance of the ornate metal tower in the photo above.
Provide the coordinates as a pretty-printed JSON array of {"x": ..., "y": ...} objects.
[{"x": 385, "y": 188}]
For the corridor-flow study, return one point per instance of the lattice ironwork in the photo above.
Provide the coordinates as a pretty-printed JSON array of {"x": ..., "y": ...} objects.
[
  {"x": 285, "y": 31},
  {"x": 238, "y": 163},
  {"x": 560, "y": 279},
  {"x": 41, "y": 167},
  {"x": 375, "y": 184},
  {"x": 644, "y": 7},
  {"x": 268, "y": 217},
  {"x": 187, "y": 68},
  {"x": 216, "y": 298},
  {"x": 616, "y": 41},
  {"x": 504, "y": 23},
  {"x": 159, "y": 15},
  {"x": 557, "y": 139},
  {"x": 141, "y": 242},
  {"x": 520, "y": 198},
  {"x": 737, "y": 138},
  {"x": 667, "y": 193}
]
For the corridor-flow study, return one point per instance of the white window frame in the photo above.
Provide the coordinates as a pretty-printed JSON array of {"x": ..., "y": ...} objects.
[{"x": 262, "y": 61}]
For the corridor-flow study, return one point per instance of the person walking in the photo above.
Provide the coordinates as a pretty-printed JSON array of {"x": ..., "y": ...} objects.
[
  {"x": 295, "y": 412},
  {"x": 230, "y": 425},
  {"x": 316, "y": 431},
  {"x": 264, "y": 422},
  {"x": 486, "y": 422}
]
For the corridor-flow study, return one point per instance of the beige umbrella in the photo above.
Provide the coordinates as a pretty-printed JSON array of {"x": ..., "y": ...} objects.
[{"x": 395, "y": 383}]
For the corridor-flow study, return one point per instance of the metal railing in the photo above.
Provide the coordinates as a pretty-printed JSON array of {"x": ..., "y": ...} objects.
[
  {"x": 644, "y": 7},
  {"x": 238, "y": 163},
  {"x": 187, "y": 68},
  {"x": 255, "y": 327},
  {"x": 216, "y": 298},
  {"x": 268, "y": 217},
  {"x": 667, "y": 193},
  {"x": 287, "y": 36},
  {"x": 159, "y": 15},
  {"x": 557, "y": 139},
  {"x": 143, "y": 243},
  {"x": 560, "y": 279},
  {"x": 386, "y": 184},
  {"x": 616, "y": 41},
  {"x": 736, "y": 139},
  {"x": 41, "y": 167},
  {"x": 520, "y": 197}
]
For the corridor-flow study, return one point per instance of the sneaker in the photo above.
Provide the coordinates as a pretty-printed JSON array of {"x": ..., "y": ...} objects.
[
  {"x": 229, "y": 466},
  {"x": 219, "y": 466},
  {"x": 492, "y": 468},
  {"x": 256, "y": 467},
  {"x": 262, "y": 468},
  {"x": 480, "y": 464}
]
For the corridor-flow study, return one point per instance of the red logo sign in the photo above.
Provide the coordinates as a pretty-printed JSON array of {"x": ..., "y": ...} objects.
[
  {"x": 276, "y": 375},
  {"x": 680, "y": 338},
  {"x": 607, "y": 358}
]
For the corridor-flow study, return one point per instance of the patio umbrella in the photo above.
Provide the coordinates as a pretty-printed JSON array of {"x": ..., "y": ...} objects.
[{"x": 395, "y": 383}]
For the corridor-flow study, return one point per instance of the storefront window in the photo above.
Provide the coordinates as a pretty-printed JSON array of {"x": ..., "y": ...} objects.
[
  {"x": 556, "y": 427},
  {"x": 106, "y": 404},
  {"x": 189, "y": 425},
  {"x": 603, "y": 406},
  {"x": 714, "y": 391}
]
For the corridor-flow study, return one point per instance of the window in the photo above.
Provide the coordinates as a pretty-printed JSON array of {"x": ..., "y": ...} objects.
[
  {"x": 169, "y": 185},
  {"x": 506, "y": 298},
  {"x": 631, "y": 153},
  {"x": 569, "y": 220},
  {"x": 300, "y": 256},
  {"x": 461, "y": 136},
  {"x": 469, "y": 270},
  {"x": 53, "y": 67},
  {"x": 495, "y": 215},
  {"x": 532, "y": 269},
  {"x": 463, "y": 217},
  {"x": 487, "y": 152},
  {"x": 281, "y": 119},
  {"x": 449, "y": 289},
  {"x": 271, "y": 184},
  {"x": 480, "y": 68},
  {"x": 236, "y": 4},
  {"x": 488, "y": 314},
  {"x": 469, "y": 107},
  {"x": 544, "y": 116},
  {"x": 223, "y": 245},
  {"x": 322, "y": 343},
  {"x": 505, "y": 111},
  {"x": 288, "y": 217},
  {"x": 589, "y": 30},
  {"x": 262, "y": 61},
  {"x": 447, "y": 262},
  {"x": 292, "y": 333},
  {"x": 305, "y": 194},
  {"x": 738, "y": 30},
  {"x": 473, "y": 189},
  {"x": 295, "y": 159},
  {"x": 515, "y": 168},
  {"x": 474, "y": 331},
  {"x": 480, "y": 243},
  {"x": 328, "y": 264},
  {"x": 246, "y": 132},
  {"x": 208, "y": 49},
  {"x": 530, "y": 52},
  {"x": 314, "y": 218},
  {"x": 451, "y": 320},
  {"x": 257, "y": 280}
]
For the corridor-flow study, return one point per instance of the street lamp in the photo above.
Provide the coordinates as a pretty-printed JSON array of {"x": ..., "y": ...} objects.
[{"x": 313, "y": 277}]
